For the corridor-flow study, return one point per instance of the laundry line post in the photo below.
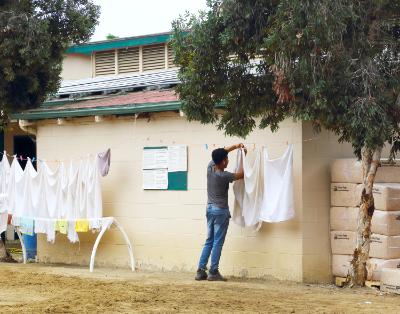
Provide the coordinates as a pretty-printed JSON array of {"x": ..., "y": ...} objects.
[
  {"x": 105, "y": 227},
  {"x": 21, "y": 240}
]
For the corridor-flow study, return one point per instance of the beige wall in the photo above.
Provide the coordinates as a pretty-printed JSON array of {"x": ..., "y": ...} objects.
[
  {"x": 318, "y": 152},
  {"x": 76, "y": 66},
  {"x": 168, "y": 228}
]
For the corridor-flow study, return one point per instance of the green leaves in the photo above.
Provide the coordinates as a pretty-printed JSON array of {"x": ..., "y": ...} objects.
[
  {"x": 334, "y": 63},
  {"x": 33, "y": 37}
]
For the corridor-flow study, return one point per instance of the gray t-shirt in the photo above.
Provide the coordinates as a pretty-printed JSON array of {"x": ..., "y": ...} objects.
[{"x": 218, "y": 185}]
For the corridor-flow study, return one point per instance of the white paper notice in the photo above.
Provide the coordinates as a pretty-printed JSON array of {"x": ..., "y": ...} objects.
[
  {"x": 155, "y": 158},
  {"x": 177, "y": 158},
  {"x": 155, "y": 179}
]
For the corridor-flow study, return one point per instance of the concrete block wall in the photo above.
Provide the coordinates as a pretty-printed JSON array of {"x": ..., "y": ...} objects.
[
  {"x": 168, "y": 228},
  {"x": 319, "y": 150}
]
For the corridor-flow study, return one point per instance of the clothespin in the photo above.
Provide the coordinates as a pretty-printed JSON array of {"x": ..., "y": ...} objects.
[
  {"x": 33, "y": 159},
  {"x": 206, "y": 146},
  {"x": 20, "y": 158}
]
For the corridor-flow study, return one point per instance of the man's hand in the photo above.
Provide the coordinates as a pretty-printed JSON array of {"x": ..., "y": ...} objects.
[{"x": 233, "y": 147}]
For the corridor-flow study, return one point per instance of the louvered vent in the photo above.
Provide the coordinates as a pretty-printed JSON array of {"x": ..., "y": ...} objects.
[
  {"x": 105, "y": 63},
  {"x": 128, "y": 60},
  {"x": 153, "y": 57},
  {"x": 171, "y": 56}
]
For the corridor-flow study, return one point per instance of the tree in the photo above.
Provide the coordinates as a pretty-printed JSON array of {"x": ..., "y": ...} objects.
[
  {"x": 111, "y": 36},
  {"x": 334, "y": 63},
  {"x": 34, "y": 35}
]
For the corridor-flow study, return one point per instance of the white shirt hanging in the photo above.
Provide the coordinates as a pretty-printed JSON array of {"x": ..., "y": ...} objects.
[
  {"x": 278, "y": 203},
  {"x": 249, "y": 192}
]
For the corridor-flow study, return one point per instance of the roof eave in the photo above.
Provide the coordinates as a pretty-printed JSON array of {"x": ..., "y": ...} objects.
[
  {"x": 119, "y": 43},
  {"x": 97, "y": 111}
]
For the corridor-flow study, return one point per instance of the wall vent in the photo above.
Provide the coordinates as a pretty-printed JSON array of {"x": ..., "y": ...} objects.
[
  {"x": 153, "y": 57},
  {"x": 105, "y": 63},
  {"x": 128, "y": 60}
]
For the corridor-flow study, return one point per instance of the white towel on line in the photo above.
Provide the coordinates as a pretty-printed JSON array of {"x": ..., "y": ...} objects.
[{"x": 266, "y": 193}]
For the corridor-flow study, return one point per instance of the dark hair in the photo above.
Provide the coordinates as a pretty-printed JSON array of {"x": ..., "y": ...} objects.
[{"x": 218, "y": 155}]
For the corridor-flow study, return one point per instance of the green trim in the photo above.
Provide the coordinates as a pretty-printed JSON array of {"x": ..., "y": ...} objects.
[
  {"x": 89, "y": 48},
  {"x": 155, "y": 147},
  {"x": 98, "y": 111}
]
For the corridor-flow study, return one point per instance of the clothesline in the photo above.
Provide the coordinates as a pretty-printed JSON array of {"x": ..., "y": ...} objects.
[
  {"x": 213, "y": 145},
  {"x": 254, "y": 145},
  {"x": 34, "y": 159}
]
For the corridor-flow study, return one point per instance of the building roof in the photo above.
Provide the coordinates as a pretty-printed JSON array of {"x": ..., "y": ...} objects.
[
  {"x": 131, "y": 103},
  {"x": 114, "y": 83},
  {"x": 117, "y": 43}
]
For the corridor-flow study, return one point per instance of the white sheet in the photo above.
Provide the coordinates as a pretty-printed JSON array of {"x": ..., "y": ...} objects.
[
  {"x": 249, "y": 192},
  {"x": 278, "y": 204}
]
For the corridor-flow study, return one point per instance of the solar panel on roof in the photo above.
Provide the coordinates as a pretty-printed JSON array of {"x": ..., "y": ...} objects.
[{"x": 118, "y": 82}]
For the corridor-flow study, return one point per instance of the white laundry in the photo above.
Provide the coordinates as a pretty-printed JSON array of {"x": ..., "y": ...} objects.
[
  {"x": 4, "y": 177},
  {"x": 70, "y": 192},
  {"x": 278, "y": 204},
  {"x": 249, "y": 192},
  {"x": 15, "y": 176},
  {"x": 47, "y": 227},
  {"x": 238, "y": 190},
  {"x": 52, "y": 190},
  {"x": 3, "y": 222}
]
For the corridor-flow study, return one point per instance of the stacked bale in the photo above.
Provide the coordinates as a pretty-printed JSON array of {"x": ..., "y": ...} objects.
[{"x": 346, "y": 189}]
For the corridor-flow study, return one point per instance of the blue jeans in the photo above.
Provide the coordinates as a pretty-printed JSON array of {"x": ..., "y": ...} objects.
[{"x": 217, "y": 226}]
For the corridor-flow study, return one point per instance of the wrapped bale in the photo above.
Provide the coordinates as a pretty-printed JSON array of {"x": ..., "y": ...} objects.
[
  {"x": 344, "y": 218},
  {"x": 386, "y": 223},
  {"x": 346, "y": 194},
  {"x": 387, "y": 196},
  {"x": 343, "y": 242},
  {"x": 341, "y": 265},
  {"x": 385, "y": 247},
  {"x": 350, "y": 170},
  {"x": 346, "y": 170},
  {"x": 375, "y": 266},
  {"x": 390, "y": 280}
]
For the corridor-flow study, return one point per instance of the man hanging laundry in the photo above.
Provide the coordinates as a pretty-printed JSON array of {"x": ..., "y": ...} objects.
[{"x": 217, "y": 213}]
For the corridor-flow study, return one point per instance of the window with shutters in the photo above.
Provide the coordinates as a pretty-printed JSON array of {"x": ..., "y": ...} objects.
[
  {"x": 153, "y": 57},
  {"x": 128, "y": 60},
  {"x": 171, "y": 56},
  {"x": 104, "y": 63}
]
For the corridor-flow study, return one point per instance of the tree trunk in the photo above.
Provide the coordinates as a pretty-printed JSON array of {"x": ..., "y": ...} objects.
[
  {"x": 3, "y": 252},
  {"x": 370, "y": 164}
]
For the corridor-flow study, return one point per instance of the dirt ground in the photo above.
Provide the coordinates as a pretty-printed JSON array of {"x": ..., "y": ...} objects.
[{"x": 37, "y": 288}]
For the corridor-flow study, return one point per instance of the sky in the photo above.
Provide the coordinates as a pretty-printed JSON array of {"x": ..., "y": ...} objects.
[{"x": 125, "y": 18}]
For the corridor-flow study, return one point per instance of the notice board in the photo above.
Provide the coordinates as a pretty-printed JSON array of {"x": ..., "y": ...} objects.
[{"x": 165, "y": 168}]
